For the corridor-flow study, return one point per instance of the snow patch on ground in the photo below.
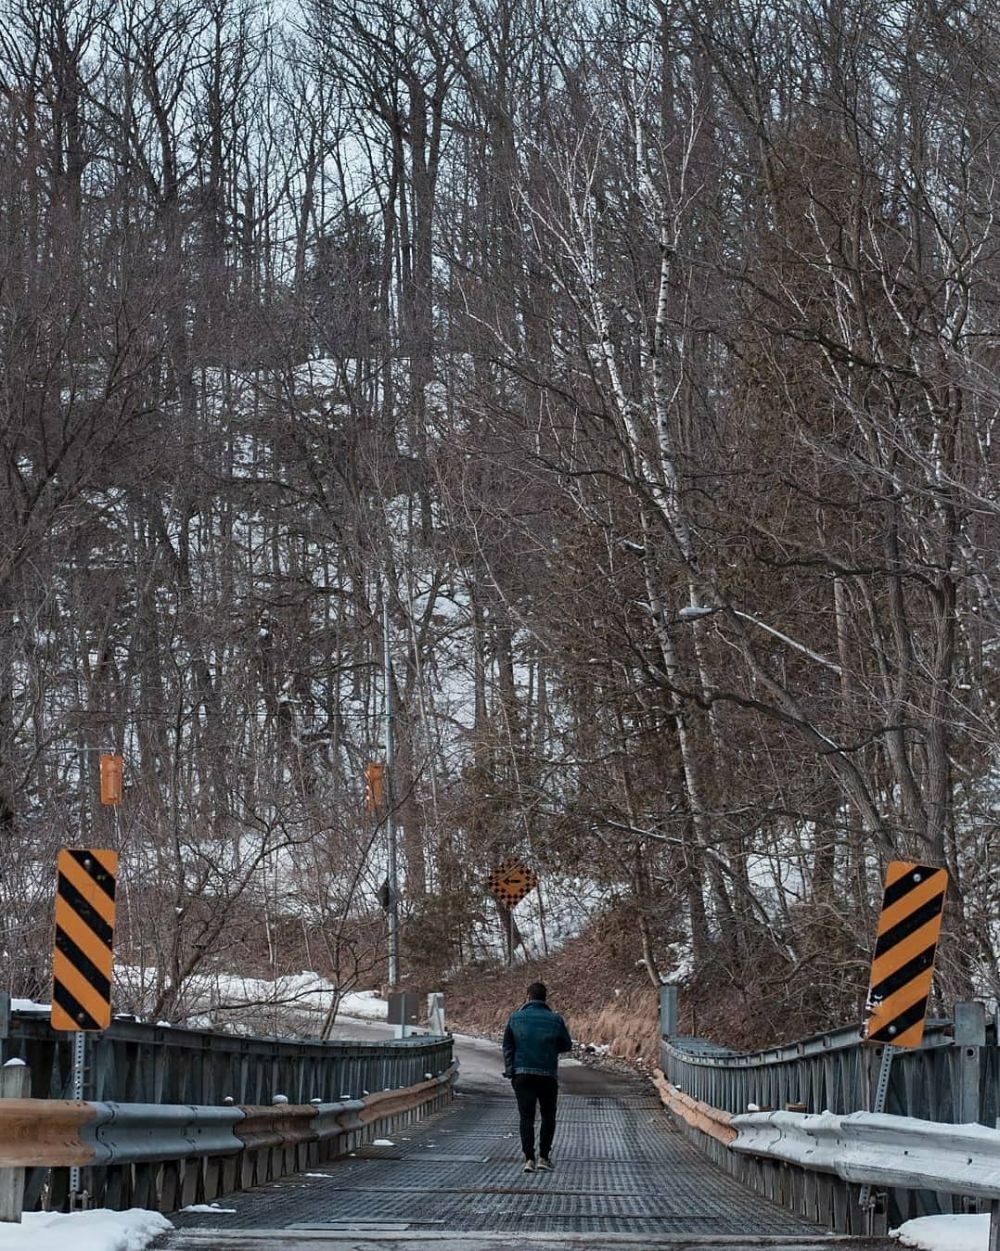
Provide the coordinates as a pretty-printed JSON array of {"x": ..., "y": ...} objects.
[
  {"x": 220, "y": 992},
  {"x": 945, "y": 1233},
  {"x": 212, "y": 1208},
  {"x": 99, "y": 1230},
  {"x": 307, "y": 992},
  {"x": 364, "y": 1005}
]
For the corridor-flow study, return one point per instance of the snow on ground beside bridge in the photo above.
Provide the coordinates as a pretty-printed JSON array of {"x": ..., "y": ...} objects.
[
  {"x": 301, "y": 990},
  {"x": 364, "y": 1004},
  {"x": 100, "y": 1230},
  {"x": 946, "y": 1233},
  {"x": 215, "y": 990},
  {"x": 304, "y": 992}
]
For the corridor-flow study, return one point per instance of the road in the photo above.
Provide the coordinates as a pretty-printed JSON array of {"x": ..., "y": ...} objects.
[{"x": 624, "y": 1178}]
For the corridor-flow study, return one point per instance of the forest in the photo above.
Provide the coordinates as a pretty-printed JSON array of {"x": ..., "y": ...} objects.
[{"x": 641, "y": 357}]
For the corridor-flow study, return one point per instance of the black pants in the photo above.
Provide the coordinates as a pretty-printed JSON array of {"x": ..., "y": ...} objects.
[{"x": 533, "y": 1090}]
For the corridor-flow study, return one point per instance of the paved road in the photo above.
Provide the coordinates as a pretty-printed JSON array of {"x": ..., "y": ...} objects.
[{"x": 623, "y": 1177}]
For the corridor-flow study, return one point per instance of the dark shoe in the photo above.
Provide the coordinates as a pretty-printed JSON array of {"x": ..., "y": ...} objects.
[
  {"x": 545, "y": 1165},
  {"x": 529, "y": 1166}
]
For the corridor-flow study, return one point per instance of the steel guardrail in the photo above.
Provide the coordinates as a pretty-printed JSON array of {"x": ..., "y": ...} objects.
[
  {"x": 952, "y": 1079},
  {"x": 161, "y": 1156},
  {"x": 137, "y": 1063},
  {"x": 878, "y": 1150}
]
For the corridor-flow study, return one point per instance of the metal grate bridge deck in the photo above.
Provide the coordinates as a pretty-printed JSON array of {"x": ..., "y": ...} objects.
[{"x": 621, "y": 1169}]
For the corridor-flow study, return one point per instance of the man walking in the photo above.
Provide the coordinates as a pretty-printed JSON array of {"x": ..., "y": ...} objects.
[{"x": 532, "y": 1041}]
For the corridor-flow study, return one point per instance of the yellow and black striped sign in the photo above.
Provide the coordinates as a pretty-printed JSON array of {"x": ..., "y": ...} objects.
[
  {"x": 903, "y": 964},
  {"x": 85, "y": 926}
]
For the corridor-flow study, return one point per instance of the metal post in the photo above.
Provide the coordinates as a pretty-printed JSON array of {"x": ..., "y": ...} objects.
[
  {"x": 4, "y": 1023},
  {"x": 878, "y": 1105},
  {"x": 15, "y": 1083},
  {"x": 668, "y": 1011},
  {"x": 390, "y": 799},
  {"x": 510, "y": 937},
  {"x": 435, "y": 1013},
  {"x": 969, "y": 1038},
  {"x": 993, "y": 1243},
  {"x": 77, "y": 1198}
]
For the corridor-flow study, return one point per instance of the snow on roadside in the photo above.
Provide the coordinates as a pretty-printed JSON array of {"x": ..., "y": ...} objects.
[
  {"x": 99, "y": 1230},
  {"x": 363, "y": 1005},
  {"x": 945, "y": 1233},
  {"x": 307, "y": 992},
  {"x": 212, "y": 990}
]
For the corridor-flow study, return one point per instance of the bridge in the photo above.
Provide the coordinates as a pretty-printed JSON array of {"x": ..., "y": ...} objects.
[
  {"x": 624, "y": 1176},
  {"x": 368, "y": 1143}
]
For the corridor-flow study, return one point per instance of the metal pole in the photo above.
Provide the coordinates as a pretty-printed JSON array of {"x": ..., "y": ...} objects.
[
  {"x": 390, "y": 799},
  {"x": 881, "y": 1093},
  {"x": 76, "y": 1091}
]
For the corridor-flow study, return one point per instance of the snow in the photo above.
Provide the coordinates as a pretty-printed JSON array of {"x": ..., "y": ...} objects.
[
  {"x": 99, "y": 1230},
  {"x": 945, "y": 1233},
  {"x": 29, "y": 1005},
  {"x": 364, "y": 1005},
  {"x": 383, "y": 1142},
  {"x": 306, "y": 991},
  {"x": 212, "y": 1208}
]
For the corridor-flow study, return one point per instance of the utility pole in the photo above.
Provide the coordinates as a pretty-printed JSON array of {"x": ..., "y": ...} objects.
[{"x": 390, "y": 798}]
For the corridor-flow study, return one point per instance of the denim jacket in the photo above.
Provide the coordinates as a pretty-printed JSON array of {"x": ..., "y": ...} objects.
[{"x": 533, "y": 1039}]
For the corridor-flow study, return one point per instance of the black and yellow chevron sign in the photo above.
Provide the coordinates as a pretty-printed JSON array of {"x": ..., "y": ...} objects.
[
  {"x": 85, "y": 927},
  {"x": 903, "y": 964}
]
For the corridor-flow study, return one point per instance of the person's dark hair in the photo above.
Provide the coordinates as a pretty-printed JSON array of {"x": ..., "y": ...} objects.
[{"x": 537, "y": 991}]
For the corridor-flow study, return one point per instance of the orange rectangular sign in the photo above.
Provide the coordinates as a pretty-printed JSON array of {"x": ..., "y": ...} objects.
[
  {"x": 112, "y": 775},
  {"x": 903, "y": 963}
]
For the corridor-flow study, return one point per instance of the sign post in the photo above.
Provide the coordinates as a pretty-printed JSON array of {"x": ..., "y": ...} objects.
[
  {"x": 77, "y": 1198},
  {"x": 509, "y": 882},
  {"x": 902, "y": 967},
  {"x": 82, "y": 961}
]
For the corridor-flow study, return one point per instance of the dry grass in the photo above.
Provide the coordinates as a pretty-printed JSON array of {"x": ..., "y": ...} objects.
[{"x": 606, "y": 1001}]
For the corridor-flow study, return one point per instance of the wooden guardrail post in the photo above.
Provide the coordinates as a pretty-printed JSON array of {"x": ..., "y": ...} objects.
[{"x": 15, "y": 1083}]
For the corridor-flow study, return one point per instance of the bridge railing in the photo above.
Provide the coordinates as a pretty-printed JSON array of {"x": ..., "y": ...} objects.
[
  {"x": 952, "y": 1078},
  {"x": 134, "y": 1062},
  {"x": 135, "y": 1065}
]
